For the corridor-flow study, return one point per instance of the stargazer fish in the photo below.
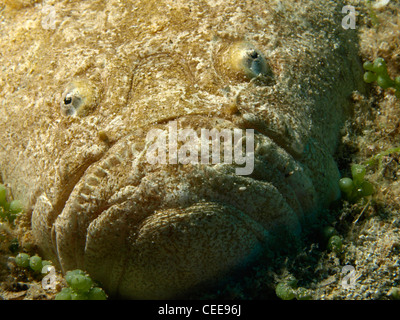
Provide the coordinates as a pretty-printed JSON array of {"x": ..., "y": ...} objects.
[{"x": 82, "y": 84}]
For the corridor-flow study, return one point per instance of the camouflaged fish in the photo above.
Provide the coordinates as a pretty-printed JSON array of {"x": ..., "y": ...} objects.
[{"x": 83, "y": 83}]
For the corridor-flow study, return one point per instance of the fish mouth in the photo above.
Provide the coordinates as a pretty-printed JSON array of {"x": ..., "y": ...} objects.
[{"x": 121, "y": 191}]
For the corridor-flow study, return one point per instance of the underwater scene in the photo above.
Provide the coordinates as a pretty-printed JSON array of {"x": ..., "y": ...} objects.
[{"x": 197, "y": 150}]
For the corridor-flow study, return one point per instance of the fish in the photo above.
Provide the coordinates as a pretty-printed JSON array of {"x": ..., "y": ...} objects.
[{"x": 91, "y": 92}]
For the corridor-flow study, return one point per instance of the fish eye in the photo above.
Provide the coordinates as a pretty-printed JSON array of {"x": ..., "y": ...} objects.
[
  {"x": 78, "y": 99},
  {"x": 67, "y": 100},
  {"x": 248, "y": 61}
]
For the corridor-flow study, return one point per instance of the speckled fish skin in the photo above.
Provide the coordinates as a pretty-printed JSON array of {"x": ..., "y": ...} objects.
[{"x": 158, "y": 231}]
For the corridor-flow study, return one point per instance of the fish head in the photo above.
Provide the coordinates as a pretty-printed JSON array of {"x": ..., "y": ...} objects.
[{"x": 90, "y": 98}]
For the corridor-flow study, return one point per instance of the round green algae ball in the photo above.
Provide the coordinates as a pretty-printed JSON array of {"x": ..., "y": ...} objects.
[
  {"x": 97, "y": 293},
  {"x": 16, "y": 206},
  {"x": 79, "y": 295},
  {"x": 346, "y": 185},
  {"x": 370, "y": 77},
  {"x": 384, "y": 82},
  {"x": 79, "y": 281},
  {"x": 3, "y": 193},
  {"x": 64, "y": 294},
  {"x": 70, "y": 274},
  {"x": 335, "y": 244},
  {"x": 358, "y": 172},
  {"x": 284, "y": 291},
  {"x": 35, "y": 263},
  {"x": 22, "y": 260},
  {"x": 328, "y": 232},
  {"x": 368, "y": 65},
  {"x": 367, "y": 189},
  {"x": 379, "y": 66},
  {"x": 397, "y": 82},
  {"x": 394, "y": 293}
]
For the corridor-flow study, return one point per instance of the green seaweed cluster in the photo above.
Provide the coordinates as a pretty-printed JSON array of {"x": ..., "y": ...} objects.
[
  {"x": 356, "y": 188},
  {"x": 81, "y": 287},
  {"x": 8, "y": 210},
  {"x": 35, "y": 263},
  {"x": 288, "y": 290},
  {"x": 377, "y": 71}
]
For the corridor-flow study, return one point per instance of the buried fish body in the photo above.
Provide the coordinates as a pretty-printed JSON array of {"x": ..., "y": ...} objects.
[{"x": 78, "y": 100}]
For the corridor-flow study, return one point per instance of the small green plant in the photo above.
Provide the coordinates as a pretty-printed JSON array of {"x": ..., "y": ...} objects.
[
  {"x": 356, "y": 188},
  {"x": 8, "y": 210},
  {"x": 81, "y": 287},
  {"x": 377, "y": 71}
]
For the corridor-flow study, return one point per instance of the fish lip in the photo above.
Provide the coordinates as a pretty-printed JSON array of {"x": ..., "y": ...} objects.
[
  {"x": 104, "y": 155},
  {"x": 284, "y": 171}
]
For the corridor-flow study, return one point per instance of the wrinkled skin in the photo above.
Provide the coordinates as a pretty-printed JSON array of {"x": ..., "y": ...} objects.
[{"x": 159, "y": 230}]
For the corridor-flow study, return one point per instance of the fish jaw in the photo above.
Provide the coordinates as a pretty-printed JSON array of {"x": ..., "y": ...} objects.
[{"x": 159, "y": 230}]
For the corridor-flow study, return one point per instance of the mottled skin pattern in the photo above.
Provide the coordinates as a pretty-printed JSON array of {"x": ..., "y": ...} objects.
[{"x": 158, "y": 231}]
